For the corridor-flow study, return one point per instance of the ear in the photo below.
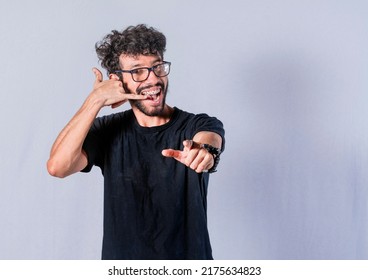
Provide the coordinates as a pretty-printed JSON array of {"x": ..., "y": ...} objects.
[{"x": 114, "y": 77}]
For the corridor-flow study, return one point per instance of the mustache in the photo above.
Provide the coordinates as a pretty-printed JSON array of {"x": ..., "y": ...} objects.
[{"x": 158, "y": 84}]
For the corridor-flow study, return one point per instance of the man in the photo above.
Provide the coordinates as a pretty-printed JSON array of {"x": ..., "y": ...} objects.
[{"x": 155, "y": 159}]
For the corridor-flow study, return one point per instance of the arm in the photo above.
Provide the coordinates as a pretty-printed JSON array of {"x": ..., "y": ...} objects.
[
  {"x": 208, "y": 137},
  {"x": 67, "y": 156},
  {"x": 193, "y": 155}
]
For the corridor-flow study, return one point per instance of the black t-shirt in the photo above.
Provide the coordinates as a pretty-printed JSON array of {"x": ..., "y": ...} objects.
[{"x": 154, "y": 207}]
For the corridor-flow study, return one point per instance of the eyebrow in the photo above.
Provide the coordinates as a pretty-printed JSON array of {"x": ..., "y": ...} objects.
[{"x": 140, "y": 65}]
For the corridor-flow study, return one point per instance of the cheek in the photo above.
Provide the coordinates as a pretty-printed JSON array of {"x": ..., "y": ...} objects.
[
  {"x": 129, "y": 87},
  {"x": 128, "y": 84}
]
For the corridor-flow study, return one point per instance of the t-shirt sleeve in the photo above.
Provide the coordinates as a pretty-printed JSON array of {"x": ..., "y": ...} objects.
[
  {"x": 93, "y": 145},
  {"x": 203, "y": 122}
]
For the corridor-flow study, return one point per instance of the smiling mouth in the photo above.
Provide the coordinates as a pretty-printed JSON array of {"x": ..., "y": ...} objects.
[{"x": 152, "y": 94}]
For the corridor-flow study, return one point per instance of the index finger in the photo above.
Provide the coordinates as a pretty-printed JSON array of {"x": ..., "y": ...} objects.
[
  {"x": 172, "y": 153},
  {"x": 134, "y": 96}
]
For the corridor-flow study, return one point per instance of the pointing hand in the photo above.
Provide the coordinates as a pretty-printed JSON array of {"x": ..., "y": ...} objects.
[{"x": 192, "y": 155}]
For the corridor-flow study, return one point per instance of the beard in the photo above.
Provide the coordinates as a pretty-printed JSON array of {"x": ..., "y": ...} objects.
[{"x": 149, "y": 110}]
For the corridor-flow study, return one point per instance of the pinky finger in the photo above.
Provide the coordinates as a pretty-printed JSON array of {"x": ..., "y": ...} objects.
[
  {"x": 202, "y": 168},
  {"x": 205, "y": 165},
  {"x": 115, "y": 105}
]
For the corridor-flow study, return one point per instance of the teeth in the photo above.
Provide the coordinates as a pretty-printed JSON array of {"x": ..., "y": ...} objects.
[{"x": 152, "y": 92}]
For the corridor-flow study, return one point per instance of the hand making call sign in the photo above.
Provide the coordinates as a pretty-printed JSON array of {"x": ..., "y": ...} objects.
[{"x": 112, "y": 90}]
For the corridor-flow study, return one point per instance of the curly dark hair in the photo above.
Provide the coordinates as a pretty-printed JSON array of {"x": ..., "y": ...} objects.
[{"x": 134, "y": 41}]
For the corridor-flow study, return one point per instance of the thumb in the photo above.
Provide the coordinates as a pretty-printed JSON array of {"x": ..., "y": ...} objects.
[{"x": 98, "y": 75}]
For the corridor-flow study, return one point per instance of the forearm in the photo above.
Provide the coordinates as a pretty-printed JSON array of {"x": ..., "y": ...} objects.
[
  {"x": 208, "y": 137},
  {"x": 66, "y": 156}
]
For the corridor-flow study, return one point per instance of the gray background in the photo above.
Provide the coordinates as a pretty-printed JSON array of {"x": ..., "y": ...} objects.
[{"x": 287, "y": 78}]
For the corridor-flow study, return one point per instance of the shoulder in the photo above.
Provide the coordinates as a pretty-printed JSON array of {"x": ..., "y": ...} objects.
[
  {"x": 199, "y": 122},
  {"x": 197, "y": 117},
  {"x": 110, "y": 122},
  {"x": 113, "y": 120},
  {"x": 184, "y": 115}
]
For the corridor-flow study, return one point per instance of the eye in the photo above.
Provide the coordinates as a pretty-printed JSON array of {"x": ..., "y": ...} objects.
[
  {"x": 159, "y": 68},
  {"x": 138, "y": 71}
]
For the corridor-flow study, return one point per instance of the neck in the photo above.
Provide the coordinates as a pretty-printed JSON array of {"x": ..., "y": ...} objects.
[{"x": 151, "y": 121}]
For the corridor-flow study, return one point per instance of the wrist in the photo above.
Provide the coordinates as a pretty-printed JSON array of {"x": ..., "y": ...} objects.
[
  {"x": 215, "y": 152},
  {"x": 95, "y": 101}
]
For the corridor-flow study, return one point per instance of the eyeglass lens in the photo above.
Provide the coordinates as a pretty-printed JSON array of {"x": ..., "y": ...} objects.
[{"x": 142, "y": 74}]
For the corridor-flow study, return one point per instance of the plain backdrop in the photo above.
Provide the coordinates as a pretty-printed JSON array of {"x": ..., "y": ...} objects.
[{"x": 289, "y": 80}]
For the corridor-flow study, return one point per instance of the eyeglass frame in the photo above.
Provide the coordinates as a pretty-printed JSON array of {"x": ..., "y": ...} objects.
[{"x": 150, "y": 69}]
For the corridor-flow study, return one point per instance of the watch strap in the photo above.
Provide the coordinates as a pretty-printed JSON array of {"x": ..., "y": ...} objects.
[{"x": 215, "y": 152}]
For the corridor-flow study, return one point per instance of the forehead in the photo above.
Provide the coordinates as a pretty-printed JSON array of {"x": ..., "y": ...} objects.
[{"x": 130, "y": 61}]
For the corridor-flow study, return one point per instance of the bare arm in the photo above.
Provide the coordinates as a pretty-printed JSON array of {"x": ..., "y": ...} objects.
[
  {"x": 208, "y": 137},
  {"x": 67, "y": 156},
  {"x": 193, "y": 156}
]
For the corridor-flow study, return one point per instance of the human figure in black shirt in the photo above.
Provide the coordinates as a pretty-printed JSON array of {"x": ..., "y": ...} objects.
[{"x": 155, "y": 159}]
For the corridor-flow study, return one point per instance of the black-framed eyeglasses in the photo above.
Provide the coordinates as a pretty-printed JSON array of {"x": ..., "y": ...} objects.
[{"x": 141, "y": 74}]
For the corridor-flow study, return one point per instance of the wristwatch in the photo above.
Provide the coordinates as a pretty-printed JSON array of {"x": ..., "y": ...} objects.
[{"x": 215, "y": 152}]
